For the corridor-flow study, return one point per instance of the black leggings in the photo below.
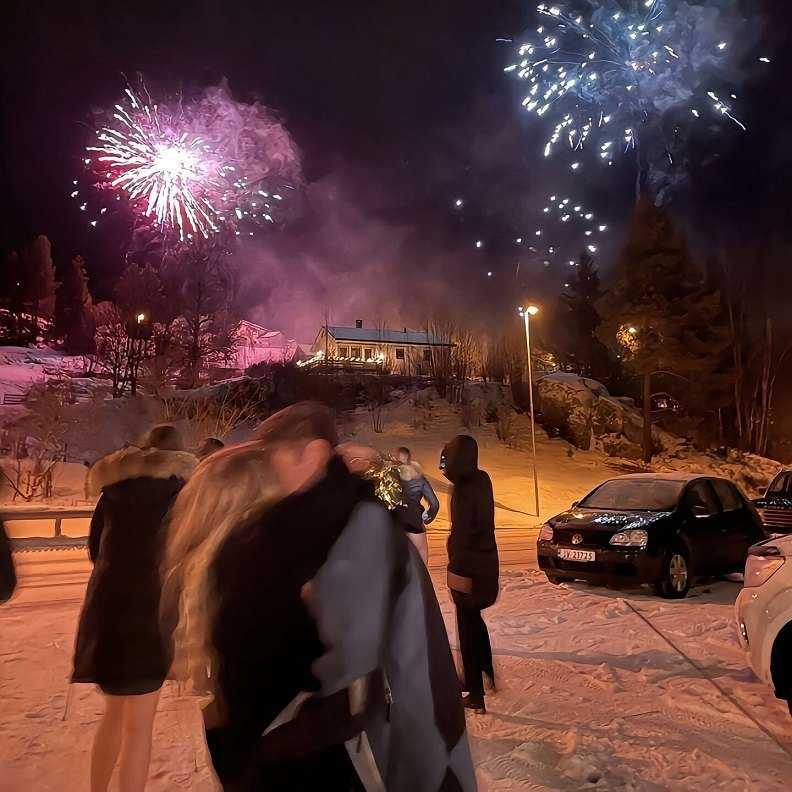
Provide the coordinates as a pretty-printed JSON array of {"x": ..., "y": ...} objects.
[{"x": 474, "y": 644}]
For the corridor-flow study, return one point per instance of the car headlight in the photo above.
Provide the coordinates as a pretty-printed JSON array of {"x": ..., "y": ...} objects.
[
  {"x": 636, "y": 537},
  {"x": 546, "y": 533}
]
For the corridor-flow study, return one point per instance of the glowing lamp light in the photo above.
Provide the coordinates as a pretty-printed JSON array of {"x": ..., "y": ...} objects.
[
  {"x": 141, "y": 317},
  {"x": 632, "y": 330}
]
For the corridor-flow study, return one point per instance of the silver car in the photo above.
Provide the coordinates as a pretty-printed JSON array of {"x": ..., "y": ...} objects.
[{"x": 764, "y": 614}]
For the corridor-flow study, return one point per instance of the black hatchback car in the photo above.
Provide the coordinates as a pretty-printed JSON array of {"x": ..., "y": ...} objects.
[{"x": 661, "y": 529}]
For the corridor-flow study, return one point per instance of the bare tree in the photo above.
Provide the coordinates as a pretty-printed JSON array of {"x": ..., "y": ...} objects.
[
  {"x": 213, "y": 416},
  {"x": 757, "y": 360},
  {"x": 46, "y": 428},
  {"x": 206, "y": 330},
  {"x": 111, "y": 356},
  {"x": 375, "y": 402},
  {"x": 122, "y": 345},
  {"x": 495, "y": 361},
  {"x": 441, "y": 365}
]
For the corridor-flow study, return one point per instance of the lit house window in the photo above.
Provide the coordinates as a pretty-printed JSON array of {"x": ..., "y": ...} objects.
[
  {"x": 343, "y": 352},
  {"x": 368, "y": 354},
  {"x": 399, "y": 354},
  {"x": 428, "y": 355},
  {"x": 354, "y": 352}
]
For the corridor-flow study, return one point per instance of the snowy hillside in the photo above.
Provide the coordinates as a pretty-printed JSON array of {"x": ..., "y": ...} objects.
[{"x": 565, "y": 473}]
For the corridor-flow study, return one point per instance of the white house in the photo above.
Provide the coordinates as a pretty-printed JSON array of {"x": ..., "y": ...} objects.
[
  {"x": 400, "y": 351},
  {"x": 257, "y": 344}
]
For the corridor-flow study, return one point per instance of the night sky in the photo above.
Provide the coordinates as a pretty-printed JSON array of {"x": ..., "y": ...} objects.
[{"x": 398, "y": 108}]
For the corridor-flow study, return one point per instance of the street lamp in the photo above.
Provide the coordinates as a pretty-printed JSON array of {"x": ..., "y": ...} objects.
[{"x": 527, "y": 312}]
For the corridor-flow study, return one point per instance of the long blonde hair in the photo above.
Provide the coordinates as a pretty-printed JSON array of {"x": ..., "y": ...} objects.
[{"x": 226, "y": 490}]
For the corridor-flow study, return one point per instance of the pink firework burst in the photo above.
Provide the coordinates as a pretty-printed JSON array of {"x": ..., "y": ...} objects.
[{"x": 197, "y": 168}]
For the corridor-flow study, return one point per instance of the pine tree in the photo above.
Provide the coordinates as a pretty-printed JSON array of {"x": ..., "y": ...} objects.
[
  {"x": 11, "y": 302},
  {"x": 38, "y": 283},
  {"x": 583, "y": 350},
  {"x": 74, "y": 321},
  {"x": 659, "y": 315},
  {"x": 27, "y": 292}
]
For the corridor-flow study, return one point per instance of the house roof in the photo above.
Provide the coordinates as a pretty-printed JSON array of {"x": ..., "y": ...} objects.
[{"x": 374, "y": 336}]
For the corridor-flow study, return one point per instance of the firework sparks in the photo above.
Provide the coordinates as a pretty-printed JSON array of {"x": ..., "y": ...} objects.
[
  {"x": 605, "y": 76},
  {"x": 193, "y": 169},
  {"x": 567, "y": 222}
]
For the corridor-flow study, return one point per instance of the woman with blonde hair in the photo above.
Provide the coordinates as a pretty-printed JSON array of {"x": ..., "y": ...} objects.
[{"x": 226, "y": 490}]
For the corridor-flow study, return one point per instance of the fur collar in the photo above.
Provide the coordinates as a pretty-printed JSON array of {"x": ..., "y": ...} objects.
[
  {"x": 410, "y": 471},
  {"x": 133, "y": 462}
]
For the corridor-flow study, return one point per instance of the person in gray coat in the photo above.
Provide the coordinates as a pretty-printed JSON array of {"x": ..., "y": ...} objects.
[{"x": 414, "y": 737}]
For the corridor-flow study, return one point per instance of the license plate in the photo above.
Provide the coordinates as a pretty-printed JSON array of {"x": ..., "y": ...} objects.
[{"x": 576, "y": 555}]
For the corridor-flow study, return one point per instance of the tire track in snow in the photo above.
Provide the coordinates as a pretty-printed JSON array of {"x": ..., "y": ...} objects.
[{"x": 701, "y": 671}]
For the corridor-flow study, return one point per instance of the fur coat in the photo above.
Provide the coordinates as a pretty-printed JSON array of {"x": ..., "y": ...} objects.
[{"x": 119, "y": 645}]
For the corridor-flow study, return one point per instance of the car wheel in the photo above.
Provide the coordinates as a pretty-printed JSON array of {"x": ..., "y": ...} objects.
[
  {"x": 674, "y": 582},
  {"x": 556, "y": 580}
]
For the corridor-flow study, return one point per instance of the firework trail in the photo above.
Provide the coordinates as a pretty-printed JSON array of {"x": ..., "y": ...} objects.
[{"x": 192, "y": 169}]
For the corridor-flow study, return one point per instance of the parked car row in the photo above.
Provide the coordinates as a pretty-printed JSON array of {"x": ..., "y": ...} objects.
[{"x": 667, "y": 530}]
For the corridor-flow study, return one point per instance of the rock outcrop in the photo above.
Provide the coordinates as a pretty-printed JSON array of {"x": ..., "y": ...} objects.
[{"x": 583, "y": 412}]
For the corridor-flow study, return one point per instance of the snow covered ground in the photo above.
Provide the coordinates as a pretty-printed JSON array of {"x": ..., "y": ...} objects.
[
  {"x": 597, "y": 689},
  {"x": 591, "y": 696}
]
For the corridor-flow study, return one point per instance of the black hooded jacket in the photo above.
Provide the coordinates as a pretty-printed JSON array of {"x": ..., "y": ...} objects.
[{"x": 472, "y": 550}]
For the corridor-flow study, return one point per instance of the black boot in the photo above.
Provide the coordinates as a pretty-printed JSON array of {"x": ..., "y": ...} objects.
[{"x": 475, "y": 703}]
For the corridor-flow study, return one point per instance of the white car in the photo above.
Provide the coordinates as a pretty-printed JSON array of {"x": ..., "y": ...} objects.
[{"x": 764, "y": 614}]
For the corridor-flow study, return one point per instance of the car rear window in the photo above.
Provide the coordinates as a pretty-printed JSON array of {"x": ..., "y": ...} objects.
[
  {"x": 635, "y": 495},
  {"x": 727, "y": 494}
]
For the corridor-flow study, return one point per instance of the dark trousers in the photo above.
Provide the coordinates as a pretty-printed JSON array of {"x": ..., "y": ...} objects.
[{"x": 474, "y": 644}]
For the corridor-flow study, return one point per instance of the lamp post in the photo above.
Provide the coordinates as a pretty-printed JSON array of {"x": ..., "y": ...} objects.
[{"x": 527, "y": 312}]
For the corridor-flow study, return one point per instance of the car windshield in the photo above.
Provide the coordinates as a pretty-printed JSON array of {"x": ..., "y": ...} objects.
[{"x": 635, "y": 495}]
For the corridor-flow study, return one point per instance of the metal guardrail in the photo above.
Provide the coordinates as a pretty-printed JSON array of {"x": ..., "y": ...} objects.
[{"x": 57, "y": 540}]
